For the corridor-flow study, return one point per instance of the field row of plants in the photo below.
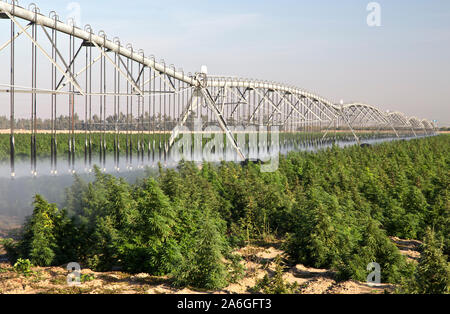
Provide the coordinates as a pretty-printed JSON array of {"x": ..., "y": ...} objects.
[
  {"x": 43, "y": 142},
  {"x": 334, "y": 209}
]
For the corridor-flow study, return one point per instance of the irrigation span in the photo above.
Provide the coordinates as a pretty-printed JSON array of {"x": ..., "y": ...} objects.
[{"x": 104, "y": 98}]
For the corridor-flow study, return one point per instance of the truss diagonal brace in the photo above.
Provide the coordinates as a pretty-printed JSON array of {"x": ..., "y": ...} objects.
[
  {"x": 62, "y": 58},
  {"x": 309, "y": 108},
  {"x": 46, "y": 54},
  {"x": 344, "y": 116},
  {"x": 63, "y": 84},
  {"x": 292, "y": 111},
  {"x": 192, "y": 105},
  {"x": 223, "y": 124},
  {"x": 242, "y": 100},
  {"x": 15, "y": 37},
  {"x": 203, "y": 93},
  {"x": 119, "y": 69},
  {"x": 264, "y": 98},
  {"x": 294, "y": 107}
]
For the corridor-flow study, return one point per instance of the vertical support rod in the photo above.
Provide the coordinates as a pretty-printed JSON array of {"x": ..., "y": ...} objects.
[
  {"x": 33, "y": 100},
  {"x": 11, "y": 99},
  {"x": 86, "y": 100}
]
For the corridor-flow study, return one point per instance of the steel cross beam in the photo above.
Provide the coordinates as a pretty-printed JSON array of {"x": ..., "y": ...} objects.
[
  {"x": 268, "y": 99},
  {"x": 64, "y": 83},
  {"x": 366, "y": 112},
  {"x": 414, "y": 122},
  {"x": 392, "y": 126},
  {"x": 250, "y": 119},
  {"x": 375, "y": 114},
  {"x": 81, "y": 34},
  {"x": 401, "y": 121},
  {"x": 62, "y": 58},
  {"x": 321, "y": 110},
  {"x": 345, "y": 118},
  {"x": 223, "y": 124},
  {"x": 132, "y": 82},
  {"x": 309, "y": 108},
  {"x": 332, "y": 110},
  {"x": 290, "y": 114},
  {"x": 294, "y": 107},
  {"x": 158, "y": 74},
  {"x": 74, "y": 83},
  {"x": 219, "y": 94},
  {"x": 242, "y": 101},
  {"x": 234, "y": 101},
  {"x": 198, "y": 94},
  {"x": 9, "y": 41},
  {"x": 270, "y": 118},
  {"x": 192, "y": 105},
  {"x": 328, "y": 129},
  {"x": 362, "y": 110}
]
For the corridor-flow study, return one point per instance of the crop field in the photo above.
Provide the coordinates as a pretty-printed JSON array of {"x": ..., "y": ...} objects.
[
  {"x": 338, "y": 209},
  {"x": 148, "y": 141}
]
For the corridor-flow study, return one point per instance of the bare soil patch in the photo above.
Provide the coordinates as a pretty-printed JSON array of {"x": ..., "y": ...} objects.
[
  {"x": 409, "y": 248},
  {"x": 258, "y": 262}
]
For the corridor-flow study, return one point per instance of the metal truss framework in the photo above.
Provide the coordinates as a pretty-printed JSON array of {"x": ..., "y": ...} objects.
[{"x": 112, "y": 84}]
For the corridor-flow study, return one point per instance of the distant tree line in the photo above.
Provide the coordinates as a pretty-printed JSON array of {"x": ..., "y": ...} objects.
[{"x": 145, "y": 122}]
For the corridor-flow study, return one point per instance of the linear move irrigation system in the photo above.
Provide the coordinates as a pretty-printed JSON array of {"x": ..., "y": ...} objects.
[{"x": 123, "y": 93}]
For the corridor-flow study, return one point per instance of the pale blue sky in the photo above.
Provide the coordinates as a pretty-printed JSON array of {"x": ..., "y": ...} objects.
[{"x": 325, "y": 45}]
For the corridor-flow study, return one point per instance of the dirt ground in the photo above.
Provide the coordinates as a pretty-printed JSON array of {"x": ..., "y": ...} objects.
[
  {"x": 257, "y": 262},
  {"x": 409, "y": 248}
]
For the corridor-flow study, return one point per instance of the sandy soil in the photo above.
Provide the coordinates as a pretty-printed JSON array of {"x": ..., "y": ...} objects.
[
  {"x": 409, "y": 248},
  {"x": 257, "y": 261}
]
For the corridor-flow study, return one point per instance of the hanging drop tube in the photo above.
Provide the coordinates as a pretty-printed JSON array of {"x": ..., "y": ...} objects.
[{"x": 12, "y": 98}]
